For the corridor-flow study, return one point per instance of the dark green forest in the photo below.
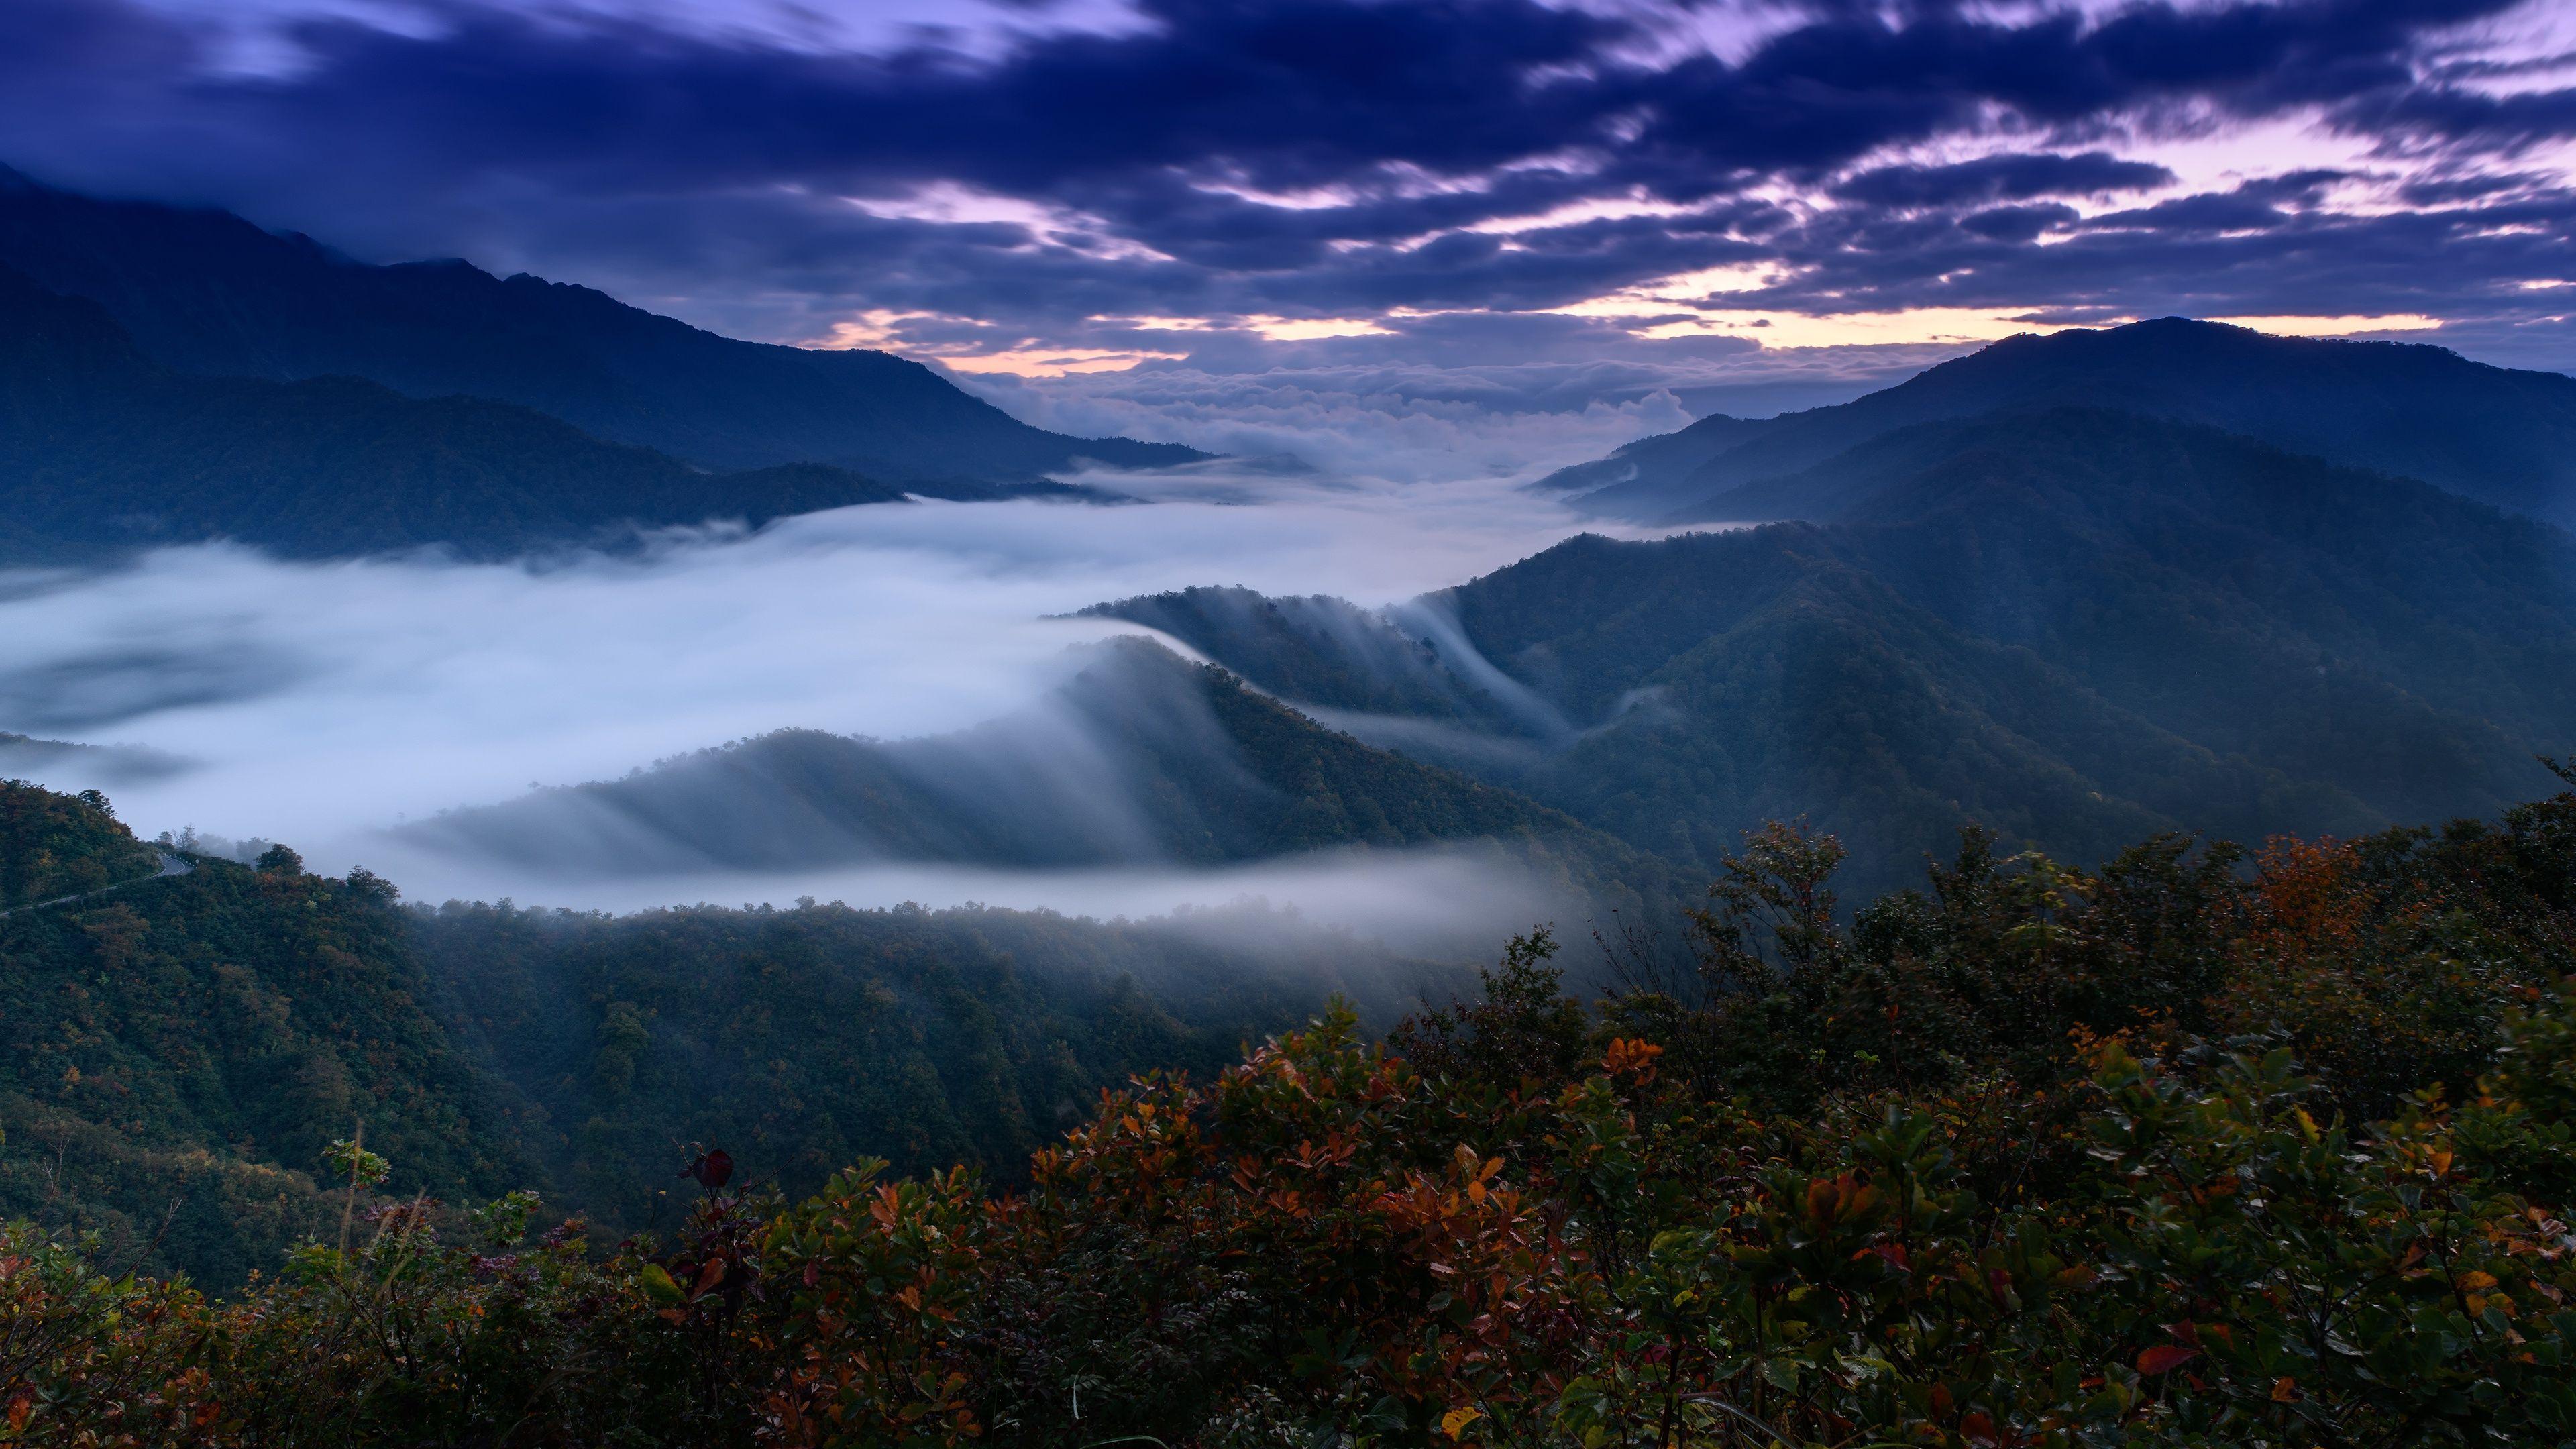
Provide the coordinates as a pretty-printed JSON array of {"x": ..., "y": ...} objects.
[
  {"x": 59, "y": 845},
  {"x": 176, "y": 1057},
  {"x": 807, "y": 1039}
]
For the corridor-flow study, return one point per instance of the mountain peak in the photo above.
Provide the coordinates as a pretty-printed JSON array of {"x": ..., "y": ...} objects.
[
  {"x": 2501, "y": 436},
  {"x": 204, "y": 291}
]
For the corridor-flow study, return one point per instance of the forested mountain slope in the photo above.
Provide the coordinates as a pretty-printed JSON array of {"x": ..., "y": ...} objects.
[
  {"x": 176, "y": 1056},
  {"x": 803, "y": 1040},
  {"x": 2075, "y": 626},
  {"x": 2495, "y": 434},
  {"x": 57, "y": 845},
  {"x": 206, "y": 292}
]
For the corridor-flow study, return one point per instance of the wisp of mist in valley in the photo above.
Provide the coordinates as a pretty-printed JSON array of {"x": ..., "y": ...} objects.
[{"x": 346, "y": 706}]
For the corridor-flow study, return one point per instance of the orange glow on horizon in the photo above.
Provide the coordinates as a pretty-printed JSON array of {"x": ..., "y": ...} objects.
[
  {"x": 1048, "y": 361},
  {"x": 2333, "y": 326},
  {"x": 1647, "y": 313}
]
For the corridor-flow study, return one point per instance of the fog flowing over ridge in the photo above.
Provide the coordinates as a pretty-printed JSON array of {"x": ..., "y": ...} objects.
[
  {"x": 323, "y": 703},
  {"x": 1437, "y": 901}
]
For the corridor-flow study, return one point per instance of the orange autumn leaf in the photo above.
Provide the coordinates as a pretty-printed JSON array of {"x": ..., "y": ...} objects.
[
  {"x": 2165, "y": 1358},
  {"x": 1626, "y": 1055}
]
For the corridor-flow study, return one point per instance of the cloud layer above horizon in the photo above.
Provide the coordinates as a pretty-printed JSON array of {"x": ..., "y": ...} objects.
[{"x": 1222, "y": 186}]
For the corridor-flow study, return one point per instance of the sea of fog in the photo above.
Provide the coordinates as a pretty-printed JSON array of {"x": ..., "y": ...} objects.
[{"x": 320, "y": 704}]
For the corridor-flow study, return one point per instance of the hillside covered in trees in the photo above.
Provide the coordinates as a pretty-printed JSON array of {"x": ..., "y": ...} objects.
[
  {"x": 2189, "y": 1149},
  {"x": 59, "y": 845},
  {"x": 177, "y": 1056},
  {"x": 2076, "y": 627}
]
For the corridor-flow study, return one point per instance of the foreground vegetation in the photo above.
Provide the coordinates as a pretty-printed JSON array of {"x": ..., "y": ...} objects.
[
  {"x": 2175, "y": 1153},
  {"x": 177, "y": 1053}
]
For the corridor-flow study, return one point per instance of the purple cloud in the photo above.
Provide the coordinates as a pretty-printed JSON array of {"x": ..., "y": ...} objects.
[{"x": 1379, "y": 159}]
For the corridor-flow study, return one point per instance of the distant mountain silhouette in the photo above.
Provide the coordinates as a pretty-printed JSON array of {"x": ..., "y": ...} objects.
[
  {"x": 204, "y": 291},
  {"x": 103, "y": 449},
  {"x": 2495, "y": 434},
  {"x": 2074, "y": 625}
]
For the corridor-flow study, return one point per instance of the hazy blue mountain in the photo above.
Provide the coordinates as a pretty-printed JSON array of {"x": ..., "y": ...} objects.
[
  {"x": 108, "y": 764},
  {"x": 206, "y": 292},
  {"x": 2074, "y": 625},
  {"x": 1651, "y": 467},
  {"x": 2495, "y": 434},
  {"x": 1317, "y": 650},
  {"x": 1140, "y": 759},
  {"x": 102, "y": 448}
]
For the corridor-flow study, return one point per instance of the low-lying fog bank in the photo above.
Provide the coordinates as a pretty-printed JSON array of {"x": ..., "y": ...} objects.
[{"x": 322, "y": 704}]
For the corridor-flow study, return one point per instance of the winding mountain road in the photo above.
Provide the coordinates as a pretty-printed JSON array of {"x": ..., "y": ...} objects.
[{"x": 171, "y": 864}]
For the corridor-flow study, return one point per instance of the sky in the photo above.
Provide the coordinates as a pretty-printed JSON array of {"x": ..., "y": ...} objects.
[{"x": 1739, "y": 205}]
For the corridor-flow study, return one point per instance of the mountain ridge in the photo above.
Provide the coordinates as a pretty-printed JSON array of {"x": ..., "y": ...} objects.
[
  {"x": 204, "y": 291},
  {"x": 2502, "y": 436},
  {"x": 1140, "y": 759},
  {"x": 104, "y": 449},
  {"x": 2078, "y": 625}
]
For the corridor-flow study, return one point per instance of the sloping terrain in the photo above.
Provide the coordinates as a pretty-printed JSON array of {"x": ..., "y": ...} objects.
[
  {"x": 1141, "y": 759},
  {"x": 103, "y": 449},
  {"x": 207, "y": 292},
  {"x": 2495, "y": 434},
  {"x": 176, "y": 1057},
  {"x": 2075, "y": 626}
]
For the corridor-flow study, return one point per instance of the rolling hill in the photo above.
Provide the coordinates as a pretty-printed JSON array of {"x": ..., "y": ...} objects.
[{"x": 1141, "y": 759}]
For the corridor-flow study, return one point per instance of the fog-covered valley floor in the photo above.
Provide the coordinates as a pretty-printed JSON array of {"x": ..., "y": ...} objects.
[{"x": 339, "y": 706}]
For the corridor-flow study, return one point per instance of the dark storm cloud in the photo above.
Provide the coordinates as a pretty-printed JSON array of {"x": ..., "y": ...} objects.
[
  {"x": 2449, "y": 118},
  {"x": 2001, "y": 178},
  {"x": 2264, "y": 249},
  {"x": 1290, "y": 92},
  {"x": 2018, "y": 223},
  {"x": 1828, "y": 92},
  {"x": 1308, "y": 158}
]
